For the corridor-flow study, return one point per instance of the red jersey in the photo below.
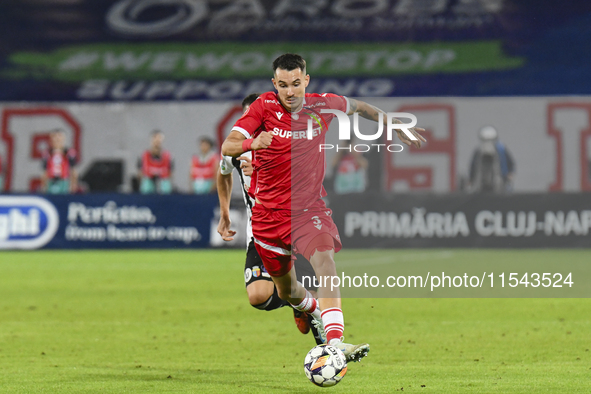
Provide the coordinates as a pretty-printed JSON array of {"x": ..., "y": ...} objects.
[
  {"x": 290, "y": 172},
  {"x": 204, "y": 168},
  {"x": 159, "y": 167},
  {"x": 57, "y": 164}
]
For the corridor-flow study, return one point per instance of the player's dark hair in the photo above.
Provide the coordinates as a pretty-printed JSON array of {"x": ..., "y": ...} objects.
[
  {"x": 156, "y": 132},
  {"x": 207, "y": 140},
  {"x": 289, "y": 61},
  {"x": 249, "y": 99}
]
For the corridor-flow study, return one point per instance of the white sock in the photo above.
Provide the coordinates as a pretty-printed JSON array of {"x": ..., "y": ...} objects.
[
  {"x": 309, "y": 305},
  {"x": 334, "y": 324}
]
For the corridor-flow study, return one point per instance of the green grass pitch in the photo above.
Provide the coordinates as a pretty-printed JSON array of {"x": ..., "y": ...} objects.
[{"x": 180, "y": 322}]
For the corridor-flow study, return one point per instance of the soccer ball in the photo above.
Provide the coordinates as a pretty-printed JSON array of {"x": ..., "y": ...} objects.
[{"x": 325, "y": 365}]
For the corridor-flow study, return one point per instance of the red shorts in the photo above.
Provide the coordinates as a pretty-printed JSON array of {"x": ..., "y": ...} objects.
[{"x": 281, "y": 234}]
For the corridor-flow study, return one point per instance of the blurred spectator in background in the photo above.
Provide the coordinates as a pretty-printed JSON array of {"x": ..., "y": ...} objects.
[
  {"x": 156, "y": 167},
  {"x": 59, "y": 176},
  {"x": 492, "y": 166},
  {"x": 204, "y": 167},
  {"x": 349, "y": 169}
]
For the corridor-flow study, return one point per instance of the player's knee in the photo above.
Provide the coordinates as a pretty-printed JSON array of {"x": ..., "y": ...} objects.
[
  {"x": 265, "y": 298},
  {"x": 258, "y": 299},
  {"x": 259, "y": 293}
]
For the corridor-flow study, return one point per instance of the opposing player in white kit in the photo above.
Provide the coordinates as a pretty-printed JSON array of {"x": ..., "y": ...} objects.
[{"x": 262, "y": 293}]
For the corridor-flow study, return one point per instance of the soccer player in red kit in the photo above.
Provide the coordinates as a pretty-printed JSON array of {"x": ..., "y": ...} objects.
[{"x": 289, "y": 215}]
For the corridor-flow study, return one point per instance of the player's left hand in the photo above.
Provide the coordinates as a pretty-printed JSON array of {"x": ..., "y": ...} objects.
[
  {"x": 415, "y": 131},
  {"x": 224, "y": 229},
  {"x": 246, "y": 165}
]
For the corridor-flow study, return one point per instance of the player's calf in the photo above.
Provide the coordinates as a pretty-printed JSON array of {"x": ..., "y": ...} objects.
[
  {"x": 291, "y": 291},
  {"x": 324, "y": 266}
]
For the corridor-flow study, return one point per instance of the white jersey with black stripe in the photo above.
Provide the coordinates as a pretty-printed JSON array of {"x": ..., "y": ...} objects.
[{"x": 227, "y": 165}]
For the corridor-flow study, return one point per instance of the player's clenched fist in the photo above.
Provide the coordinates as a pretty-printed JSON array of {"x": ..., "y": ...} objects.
[
  {"x": 263, "y": 141},
  {"x": 224, "y": 228}
]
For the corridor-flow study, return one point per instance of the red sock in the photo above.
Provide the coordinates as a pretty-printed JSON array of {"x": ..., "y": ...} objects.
[{"x": 334, "y": 323}]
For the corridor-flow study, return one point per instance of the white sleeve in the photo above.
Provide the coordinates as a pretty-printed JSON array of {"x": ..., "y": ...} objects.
[
  {"x": 242, "y": 131},
  {"x": 348, "y": 104},
  {"x": 226, "y": 165}
]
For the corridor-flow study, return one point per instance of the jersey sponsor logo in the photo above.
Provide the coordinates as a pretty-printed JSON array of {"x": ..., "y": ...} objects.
[
  {"x": 26, "y": 222},
  {"x": 296, "y": 135},
  {"x": 272, "y": 102},
  {"x": 279, "y": 115}
]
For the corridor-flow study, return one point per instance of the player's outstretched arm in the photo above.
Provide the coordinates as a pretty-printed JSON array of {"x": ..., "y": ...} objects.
[
  {"x": 371, "y": 112},
  {"x": 224, "y": 186},
  {"x": 236, "y": 143}
]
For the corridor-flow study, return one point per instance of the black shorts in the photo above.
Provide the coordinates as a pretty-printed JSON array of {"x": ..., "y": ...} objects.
[{"x": 255, "y": 270}]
